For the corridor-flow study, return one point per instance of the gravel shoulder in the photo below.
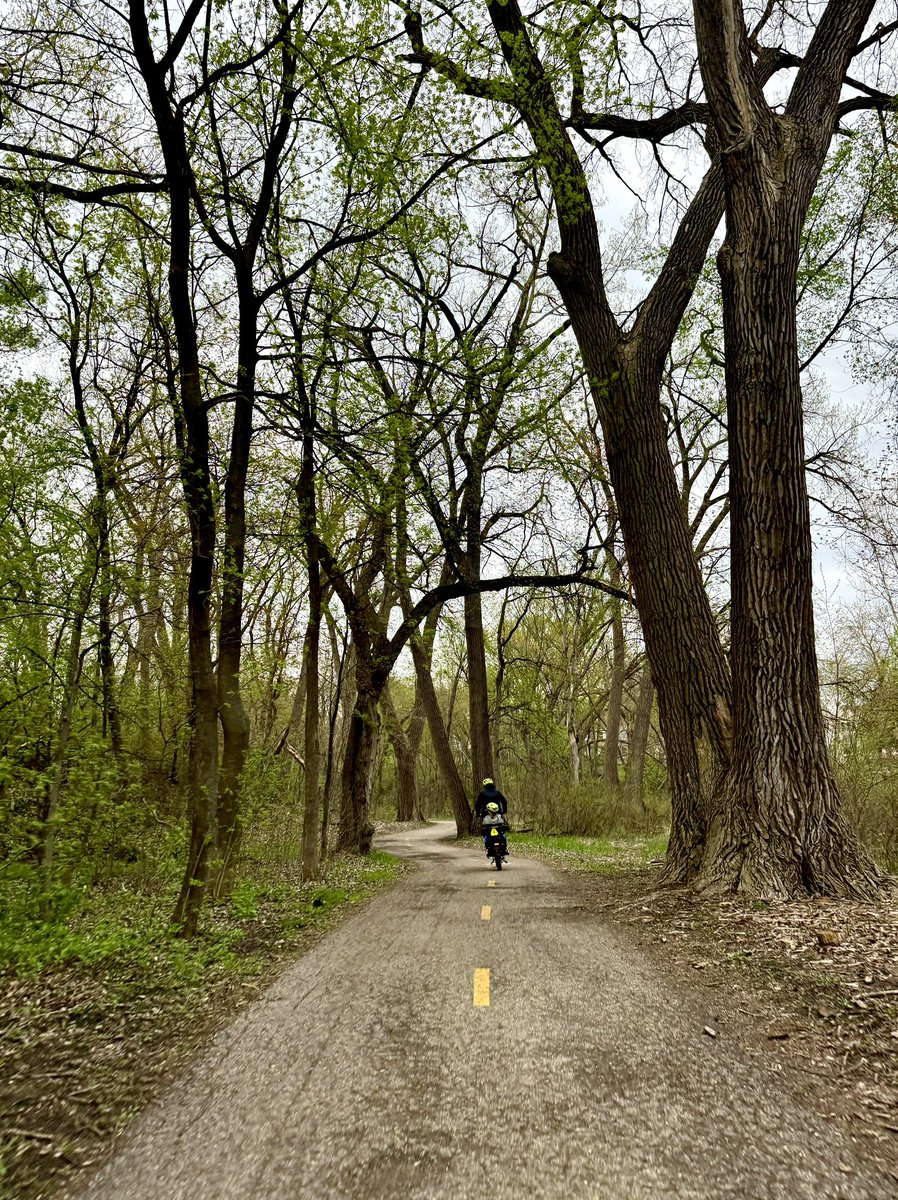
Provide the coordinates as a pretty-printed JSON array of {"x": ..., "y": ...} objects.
[{"x": 366, "y": 1070}]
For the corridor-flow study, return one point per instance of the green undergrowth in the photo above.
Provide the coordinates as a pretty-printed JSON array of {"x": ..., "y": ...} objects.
[
  {"x": 126, "y": 927},
  {"x": 100, "y": 1003},
  {"x": 611, "y": 855}
]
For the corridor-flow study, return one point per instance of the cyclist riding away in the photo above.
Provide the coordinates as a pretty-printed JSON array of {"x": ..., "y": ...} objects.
[{"x": 491, "y": 807}]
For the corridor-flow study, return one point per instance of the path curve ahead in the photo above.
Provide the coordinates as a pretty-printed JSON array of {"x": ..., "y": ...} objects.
[{"x": 366, "y": 1072}]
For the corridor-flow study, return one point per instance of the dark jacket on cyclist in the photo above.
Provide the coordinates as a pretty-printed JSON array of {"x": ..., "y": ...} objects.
[{"x": 489, "y": 793}]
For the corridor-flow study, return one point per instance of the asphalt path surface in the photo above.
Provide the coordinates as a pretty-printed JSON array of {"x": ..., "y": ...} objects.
[{"x": 374, "y": 1068}]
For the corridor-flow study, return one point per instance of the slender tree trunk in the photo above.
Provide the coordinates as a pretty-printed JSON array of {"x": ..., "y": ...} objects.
[
  {"x": 196, "y": 476},
  {"x": 418, "y": 718},
  {"x": 112, "y": 720},
  {"x": 573, "y": 749},
  {"x": 231, "y": 710},
  {"x": 610, "y": 774},
  {"x": 639, "y": 739},
  {"x": 406, "y": 784},
  {"x": 103, "y": 479},
  {"x": 478, "y": 691},
  {"x": 296, "y": 722},
  {"x": 339, "y": 705},
  {"x": 63, "y": 733},
  {"x": 308, "y": 514},
  {"x": 439, "y": 736}
]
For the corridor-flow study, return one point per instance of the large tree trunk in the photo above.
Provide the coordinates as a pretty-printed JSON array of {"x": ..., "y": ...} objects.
[
  {"x": 312, "y": 797},
  {"x": 615, "y": 698},
  {"x": 780, "y": 832},
  {"x": 625, "y": 370},
  {"x": 356, "y": 830},
  {"x": 439, "y": 735},
  {"x": 639, "y": 739},
  {"x": 688, "y": 665}
]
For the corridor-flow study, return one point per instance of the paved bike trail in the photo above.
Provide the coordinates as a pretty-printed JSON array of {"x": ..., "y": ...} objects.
[{"x": 367, "y": 1072}]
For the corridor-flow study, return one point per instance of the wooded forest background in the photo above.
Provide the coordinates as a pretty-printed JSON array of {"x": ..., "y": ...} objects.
[{"x": 395, "y": 397}]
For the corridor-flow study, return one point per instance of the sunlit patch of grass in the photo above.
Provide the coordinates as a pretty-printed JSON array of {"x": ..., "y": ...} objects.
[{"x": 603, "y": 855}]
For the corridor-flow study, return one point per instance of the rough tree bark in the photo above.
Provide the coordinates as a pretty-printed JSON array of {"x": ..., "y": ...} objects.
[
  {"x": 780, "y": 832},
  {"x": 231, "y": 710}
]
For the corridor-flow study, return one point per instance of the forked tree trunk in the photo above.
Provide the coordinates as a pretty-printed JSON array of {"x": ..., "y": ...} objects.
[
  {"x": 780, "y": 831},
  {"x": 625, "y": 370},
  {"x": 196, "y": 475}
]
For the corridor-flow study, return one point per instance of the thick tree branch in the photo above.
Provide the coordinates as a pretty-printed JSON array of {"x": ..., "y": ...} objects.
[
  {"x": 43, "y": 187},
  {"x": 734, "y": 93},
  {"x": 815, "y": 94},
  {"x": 652, "y": 129}
]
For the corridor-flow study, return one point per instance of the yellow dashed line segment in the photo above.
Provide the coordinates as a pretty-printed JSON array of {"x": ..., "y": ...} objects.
[
  {"x": 482, "y": 987},
  {"x": 486, "y": 912},
  {"x": 492, "y": 883}
]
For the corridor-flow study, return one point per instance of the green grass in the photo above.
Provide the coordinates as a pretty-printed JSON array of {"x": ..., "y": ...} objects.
[
  {"x": 118, "y": 924},
  {"x": 602, "y": 855}
]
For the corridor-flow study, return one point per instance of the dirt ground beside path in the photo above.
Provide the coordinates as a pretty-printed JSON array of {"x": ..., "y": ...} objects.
[
  {"x": 812, "y": 987},
  {"x": 371, "y": 1070}
]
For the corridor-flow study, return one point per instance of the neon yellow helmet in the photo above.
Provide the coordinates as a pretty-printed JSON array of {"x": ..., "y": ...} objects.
[
  {"x": 486, "y": 783},
  {"x": 492, "y": 807}
]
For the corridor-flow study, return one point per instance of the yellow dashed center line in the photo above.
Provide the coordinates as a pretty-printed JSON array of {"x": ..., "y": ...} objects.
[
  {"x": 482, "y": 987},
  {"x": 485, "y": 912},
  {"x": 492, "y": 883}
]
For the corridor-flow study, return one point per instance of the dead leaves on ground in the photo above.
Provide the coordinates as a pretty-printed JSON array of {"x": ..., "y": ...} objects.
[{"x": 820, "y": 978}]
